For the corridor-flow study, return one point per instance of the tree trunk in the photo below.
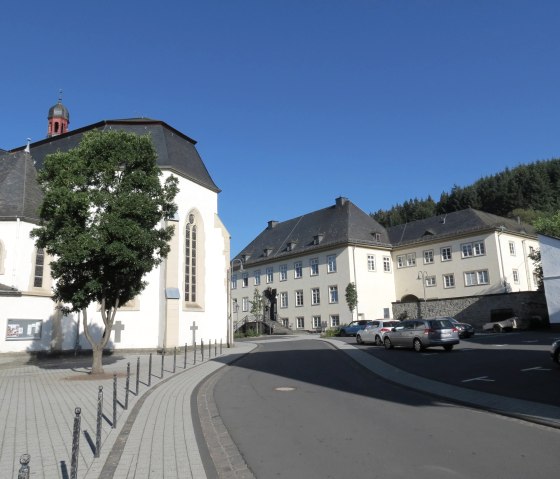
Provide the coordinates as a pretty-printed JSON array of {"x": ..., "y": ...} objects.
[{"x": 97, "y": 364}]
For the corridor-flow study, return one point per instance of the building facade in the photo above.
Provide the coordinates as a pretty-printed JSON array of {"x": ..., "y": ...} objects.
[
  {"x": 181, "y": 303},
  {"x": 308, "y": 262}
]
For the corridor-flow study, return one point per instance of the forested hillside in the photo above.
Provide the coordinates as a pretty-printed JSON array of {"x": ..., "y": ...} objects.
[{"x": 524, "y": 191}]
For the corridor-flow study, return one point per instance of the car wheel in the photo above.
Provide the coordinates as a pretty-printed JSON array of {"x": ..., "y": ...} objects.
[
  {"x": 448, "y": 347},
  {"x": 359, "y": 339},
  {"x": 497, "y": 328},
  {"x": 388, "y": 344},
  {"x": 378, "y": 341},
  {"x": 417, "y": 344}
]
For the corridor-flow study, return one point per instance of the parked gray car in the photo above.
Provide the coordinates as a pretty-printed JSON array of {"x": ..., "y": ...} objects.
[{"x": 422, "y": 333}]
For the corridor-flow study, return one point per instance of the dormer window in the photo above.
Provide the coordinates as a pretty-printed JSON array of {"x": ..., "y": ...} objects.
[
  {"x": 291, "y": 245},
  {"x": 245, "y": 257},
  {"x": 317, "y": 239},
  {"x": 267, "y": 252}
]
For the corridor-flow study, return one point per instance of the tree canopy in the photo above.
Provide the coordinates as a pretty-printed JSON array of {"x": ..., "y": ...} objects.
[{"x": 102, "y": 220}]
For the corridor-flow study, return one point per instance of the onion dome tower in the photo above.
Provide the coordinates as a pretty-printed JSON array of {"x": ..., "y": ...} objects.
[{"x": 59, "y": 119}]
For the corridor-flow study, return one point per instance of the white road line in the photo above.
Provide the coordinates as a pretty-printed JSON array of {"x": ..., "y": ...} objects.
[
  {"x": 536, "y": 368},
  {"x": 480, "y": 378}
]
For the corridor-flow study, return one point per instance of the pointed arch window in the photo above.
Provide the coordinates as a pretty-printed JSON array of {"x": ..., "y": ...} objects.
[
  {"x": 39, "y": 268},
  {"x": 191, "y": 259}
]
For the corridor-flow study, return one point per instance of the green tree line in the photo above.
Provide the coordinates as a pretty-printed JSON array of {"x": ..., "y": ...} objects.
[{"x": 526, "y": 191}]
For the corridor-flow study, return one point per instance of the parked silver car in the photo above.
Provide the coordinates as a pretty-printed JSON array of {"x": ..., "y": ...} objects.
[
  {"x": 422, "y": 333},
  {"x": 375, "y": 332}
]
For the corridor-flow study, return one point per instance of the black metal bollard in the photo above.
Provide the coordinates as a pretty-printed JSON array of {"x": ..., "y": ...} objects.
[
  {"x": 24, "y": 469},
  {"x": 114, "y": 425},
  {"x": 150, "y": 371},
  {"x": 137, "y": 375},
  {"x": 202, "y": 349},
  {"x": 174, "y": 359},
  {"x": 194, "y": 347},
  {"x": 162, "y": 360},
  {"x": 127, "y": 387},
  {"x": 99, "y": 416},
  {"x": 185, "y": 363},
  {"x": 75, "y": 444}
]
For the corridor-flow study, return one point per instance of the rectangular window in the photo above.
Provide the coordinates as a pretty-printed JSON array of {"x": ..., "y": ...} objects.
[
  {"x": 400, "y": 261},
  {"x": 512, "y": 248},
  {"x": 446, "y": 253},
  {"x": 315, "y": 296},
  {"x": 245, "y": 280},
  {"x": 316, "y": 321},
  {"x": 474, "y": 278},
  {"x": 300, "y": 322},
  {"x": 448, "y": 281},
  {"x": 333, "y": 294},
  {"x": 299, "y": 297},
  {"x": 331, "y": 263},
  {"x": 314, "y": 266},
  {"x": 39, "y": 265},
  {"x": 245, "y": 304},
  {"x": 371, "y": 262},
  {"x": 429, "y": 256},
  {"x": 476, "y": 248},
  {"x": 387, "y": 264},
  {"x": 283, "y": 272},
  {"x": 284, "y": 299},
  {"x": 298, "y": 269},
  {"x": 430, "y": 281},
  {"x": 257, "y": 276},
  {"x": 411, "y": 259},
  {"x": 233, "y": 281},
  {"x": 269, "y": 275},
  {"x": 335, "y": 320},
  {"x": 515, "y": 276}
]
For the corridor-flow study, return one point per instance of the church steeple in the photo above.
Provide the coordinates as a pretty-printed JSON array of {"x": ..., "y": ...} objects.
[{"x": 59, "y": 118}]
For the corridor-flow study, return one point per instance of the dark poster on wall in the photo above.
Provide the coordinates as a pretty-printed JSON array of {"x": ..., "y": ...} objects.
[{"x": 23, "y": 329}]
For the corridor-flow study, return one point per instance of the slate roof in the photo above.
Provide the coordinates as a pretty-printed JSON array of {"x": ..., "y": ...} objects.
[
  {"x": 453, "y": 224},
  {"x": 175, "y": 150},
  {"x": 341, "y": 224},
  {"x": 20, "y": 195},
  {"x": 8, "y": 291}
]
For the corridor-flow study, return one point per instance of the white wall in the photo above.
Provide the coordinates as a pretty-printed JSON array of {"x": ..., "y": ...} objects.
[{"x": 550, "y": 257}]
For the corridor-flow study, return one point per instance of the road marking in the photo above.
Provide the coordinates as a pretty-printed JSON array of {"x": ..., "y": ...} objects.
[
  {"x": 536, "y": 368},
  {"x": 531, "y": 341},
  {"x": 480, "y": 378},
  {"x": 285, "y": 389}
]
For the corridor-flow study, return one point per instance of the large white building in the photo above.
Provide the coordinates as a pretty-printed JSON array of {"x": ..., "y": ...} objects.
[
  {"x": 307, "y": 263},
  {"x": 186, "y": 296}
]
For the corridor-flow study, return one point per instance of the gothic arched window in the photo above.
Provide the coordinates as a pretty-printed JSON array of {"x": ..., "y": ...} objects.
[{"x": 191, "y": 256}]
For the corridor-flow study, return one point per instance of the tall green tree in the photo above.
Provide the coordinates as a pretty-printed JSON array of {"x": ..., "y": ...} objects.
[
  {"x": 102, "y": 220},
  {"x": 351, "y": 297}
]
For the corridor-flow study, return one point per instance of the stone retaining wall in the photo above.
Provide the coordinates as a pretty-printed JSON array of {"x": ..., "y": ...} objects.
[{"x": 476, "y": 310}]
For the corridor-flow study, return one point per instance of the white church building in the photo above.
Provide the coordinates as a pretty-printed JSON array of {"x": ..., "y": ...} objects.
[{"x": 186, "y": 299}]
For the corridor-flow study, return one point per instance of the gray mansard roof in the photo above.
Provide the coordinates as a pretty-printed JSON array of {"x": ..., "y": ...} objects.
[
  {"x": 341, "y": 224},
  {"x": 466, "y": 221},
  {"x": 20, "y": 195},
  {"x": 345, "y": 224},
  {"x": 175, "y": 150}
]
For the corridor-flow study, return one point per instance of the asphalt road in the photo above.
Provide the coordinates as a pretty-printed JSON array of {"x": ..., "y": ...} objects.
[
  {"x": 305, "y": 410},
  {"x": 515, "y": 364}
]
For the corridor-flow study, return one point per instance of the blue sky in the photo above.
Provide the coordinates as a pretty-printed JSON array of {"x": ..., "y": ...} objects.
[{"x": 296, "y": 102}]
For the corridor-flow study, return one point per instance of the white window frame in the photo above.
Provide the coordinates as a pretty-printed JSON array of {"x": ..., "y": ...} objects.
[
  {"x": 315, "y": 296},
  {"x": 300, "y": 322},
  {"x": 298, "y": 269},
  {"x": 316, "y": 322},
  {"x": 411, "y": 259},
  {"x": 298, "y": 298},
  {"x": 334, "y": 320},
  {"x": 269, "y": 275},
  {"x": 283, "y": 299},
  {"x": 428, "y": 256},
  {"x": 476, "y": 278},
  {"x": 387, "y": 264},
  {"x": 401, "y": 261},
  {"x": 515, "y": 274},
  {"x": 257, "y": 277},
  {"x": 245, "y": 304},
  {"x": 512, "y": 248},
  {"x": 430, "y": 281},
  {"x": 448, "y": 281},
  {"x": 245, "y": 280},
  {"x": 234, "y": 281},
  {"x": 333, "y": 294},
  {"x": 313, "y": 266},
  {"x": 371, "y": 262},
  {"x": 283, "y": 272},
  {"x": 445, "y": 253},
  {"x": 331, "y": 263}
]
